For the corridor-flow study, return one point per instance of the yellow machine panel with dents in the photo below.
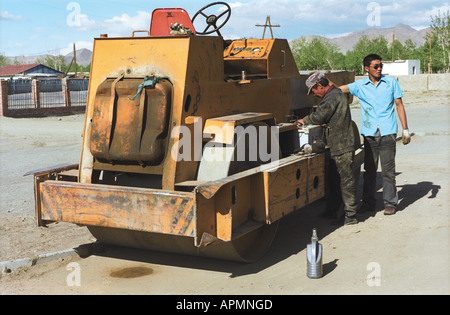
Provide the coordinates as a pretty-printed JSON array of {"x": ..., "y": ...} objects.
[{"x": 189, "y": 145}]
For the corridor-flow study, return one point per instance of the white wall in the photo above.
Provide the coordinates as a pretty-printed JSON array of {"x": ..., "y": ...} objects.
[
  {"x": 401, "y": 67},
  {"x": 422, "y": 82}
]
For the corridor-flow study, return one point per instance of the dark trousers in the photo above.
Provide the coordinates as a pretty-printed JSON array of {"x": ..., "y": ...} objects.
[
  {"x": 383, "y": 149},
  {"x": 342, "y": 184}
]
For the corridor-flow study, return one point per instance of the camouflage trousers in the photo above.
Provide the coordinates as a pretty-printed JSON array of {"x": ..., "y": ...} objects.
[{"x": 342, "y": 184}]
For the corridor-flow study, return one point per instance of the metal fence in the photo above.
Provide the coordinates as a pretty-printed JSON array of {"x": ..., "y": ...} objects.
[
  {"x": 78, "y": 91},
  {"x": 51, "y": 93},
  {"x": 46, "y": 93},
  {"x": 19, "y": 94}
]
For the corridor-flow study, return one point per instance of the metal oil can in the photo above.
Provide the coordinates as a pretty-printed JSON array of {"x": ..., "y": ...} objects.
[{"x": 314, "y": 257}]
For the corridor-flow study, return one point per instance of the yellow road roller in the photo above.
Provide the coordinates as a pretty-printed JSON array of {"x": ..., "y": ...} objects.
[{"x": 190, "y": 142}]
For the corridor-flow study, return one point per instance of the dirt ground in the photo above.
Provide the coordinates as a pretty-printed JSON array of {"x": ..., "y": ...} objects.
[{"x": 407, "y": 253}]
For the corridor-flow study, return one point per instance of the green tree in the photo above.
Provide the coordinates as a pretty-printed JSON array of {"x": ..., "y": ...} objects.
[
  {"x": 365, "y": 46},
  {"x": 53, "y": 61},
  {"x": 4, "y": 61},
  {"x": 399, "y": 51},
  {"x": 80, "y": 68},
  {"x": 410, "y": 50},
  {"x": 87, "y": 68},
  {"x": 440, "y": 40},
  {"x": 438, "y": 60},
  {"x": 317, "y": 54}
]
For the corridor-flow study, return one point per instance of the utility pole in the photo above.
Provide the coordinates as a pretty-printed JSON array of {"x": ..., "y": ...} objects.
[
  {"x": 268, "y": 24},
  {"x": 75, "y": 59},
  {"x": 429, "y": 63},
  {"x": 393, "y": 44}
]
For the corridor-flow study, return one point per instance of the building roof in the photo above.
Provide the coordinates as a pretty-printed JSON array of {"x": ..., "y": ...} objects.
[
  {"x": 16, "y": 69},
  {"x": 30, "y": 68}
]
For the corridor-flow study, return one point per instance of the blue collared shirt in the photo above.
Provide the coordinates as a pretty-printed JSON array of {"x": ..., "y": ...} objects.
[{"x": 377, "y": 104}]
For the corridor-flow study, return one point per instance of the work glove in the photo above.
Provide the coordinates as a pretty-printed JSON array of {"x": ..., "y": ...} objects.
[{"x": 406, "y": 137}]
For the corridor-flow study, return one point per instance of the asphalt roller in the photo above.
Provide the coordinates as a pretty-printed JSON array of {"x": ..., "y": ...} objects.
[{"x": 190, "y": 143}]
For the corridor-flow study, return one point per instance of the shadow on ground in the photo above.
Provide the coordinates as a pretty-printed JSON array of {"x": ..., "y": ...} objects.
[{"x": 293, "y": 235}]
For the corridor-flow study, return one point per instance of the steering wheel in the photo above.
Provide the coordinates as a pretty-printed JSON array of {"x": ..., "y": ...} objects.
[{"x": 212, "y": 19}]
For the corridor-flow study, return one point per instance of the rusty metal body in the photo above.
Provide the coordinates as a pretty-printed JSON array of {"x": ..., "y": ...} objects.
[{"x": 131, "y": 188}]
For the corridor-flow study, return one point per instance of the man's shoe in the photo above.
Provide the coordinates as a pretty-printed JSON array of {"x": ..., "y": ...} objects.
[
  {"x": 389, "y": 210},
  {"x": 344, "y": 220},
  {"x": 365, "y": 208},
  {"x": 350, "y": 220}
]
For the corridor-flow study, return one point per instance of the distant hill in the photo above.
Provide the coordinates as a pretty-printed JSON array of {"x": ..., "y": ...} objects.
[
  {"x": 84, "y": 57},
  {"x": 402, "y": 33}
]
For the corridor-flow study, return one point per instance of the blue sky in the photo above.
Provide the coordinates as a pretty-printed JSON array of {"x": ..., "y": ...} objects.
[{"x": 33, "y": 27}]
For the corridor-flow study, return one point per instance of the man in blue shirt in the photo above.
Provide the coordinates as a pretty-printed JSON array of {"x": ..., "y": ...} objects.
[{"x": 379, "y": 96}]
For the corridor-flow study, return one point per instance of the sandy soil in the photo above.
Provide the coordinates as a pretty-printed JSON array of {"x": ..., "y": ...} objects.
[
  {"x": 27, "y": 144},
  {"x": 410, "y": 248}
]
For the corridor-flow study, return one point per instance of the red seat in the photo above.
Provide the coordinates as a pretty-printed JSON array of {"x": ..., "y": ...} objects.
[{"x": 163, "y": 18}]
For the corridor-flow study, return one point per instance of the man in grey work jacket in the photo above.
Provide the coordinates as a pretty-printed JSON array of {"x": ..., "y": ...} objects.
[
  {"x": 334, "y": 111},
  {"x": 379, "y": 96}
]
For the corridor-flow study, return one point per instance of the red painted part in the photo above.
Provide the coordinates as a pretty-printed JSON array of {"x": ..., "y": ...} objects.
[{"x": 163, "y": 18}]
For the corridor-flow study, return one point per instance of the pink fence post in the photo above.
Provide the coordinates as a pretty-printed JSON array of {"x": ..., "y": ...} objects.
[
  {"x": 66, "y": 92},
  {"x": 35, "y": 93}
]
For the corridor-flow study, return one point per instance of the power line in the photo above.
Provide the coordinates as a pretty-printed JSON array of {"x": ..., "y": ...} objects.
[{"x": 46, "y": 52}]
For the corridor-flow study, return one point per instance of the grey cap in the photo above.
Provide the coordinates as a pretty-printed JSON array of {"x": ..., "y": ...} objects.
[{"x": 313, "y": 80}]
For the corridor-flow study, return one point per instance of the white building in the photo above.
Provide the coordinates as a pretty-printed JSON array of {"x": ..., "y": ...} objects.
[{"x": 401, "y": 67}]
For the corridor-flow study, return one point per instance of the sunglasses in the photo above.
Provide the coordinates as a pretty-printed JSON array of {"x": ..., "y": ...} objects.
[{"x": 378, "y": 66}]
